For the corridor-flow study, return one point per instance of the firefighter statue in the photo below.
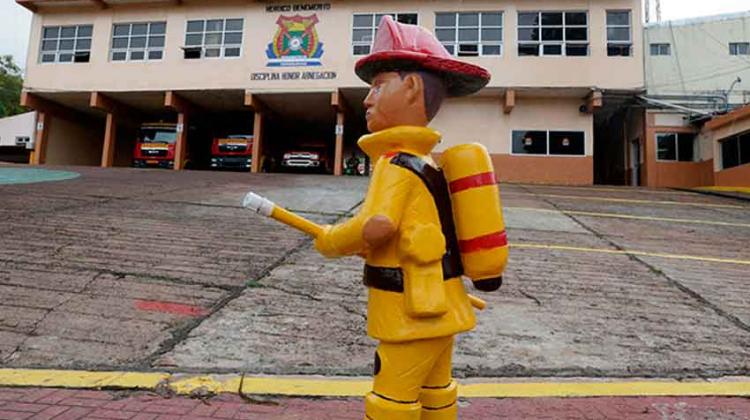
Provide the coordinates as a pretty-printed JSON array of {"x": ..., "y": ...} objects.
[{"x": 420, "y": 228}]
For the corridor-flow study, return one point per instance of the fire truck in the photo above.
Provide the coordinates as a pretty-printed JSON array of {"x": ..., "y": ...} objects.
[
  {"x": 155, "y": 145},
  {"x": 233, "y": 151}
]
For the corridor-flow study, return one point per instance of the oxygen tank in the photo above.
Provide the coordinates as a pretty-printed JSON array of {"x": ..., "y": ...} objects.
[{"x": 477, "y": 212}]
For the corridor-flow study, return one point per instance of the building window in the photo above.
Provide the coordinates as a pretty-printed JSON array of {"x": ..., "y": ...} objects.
[
  {"x": 470, "y": 34},
  {"x": 553, "y": 34},
  {"x": 661, "y": 49},
  {"x": 66, "y": 44},
  {"x": 619, "y": 42},
  {"x": 138, "y": 41},
  {"x": 739, "y": 48},
  {"x": 549, "y": 143},
  {"x": 673, "y": 147},
  {"x": 365, "y": 25},
  {"x": 735, "y": 151},
  {"x": 213, "y": 38}
]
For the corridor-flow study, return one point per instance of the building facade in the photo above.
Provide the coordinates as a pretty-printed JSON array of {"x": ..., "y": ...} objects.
[
  {"x": 694, "y": 123},
  {"x": 284, "y": 71}
]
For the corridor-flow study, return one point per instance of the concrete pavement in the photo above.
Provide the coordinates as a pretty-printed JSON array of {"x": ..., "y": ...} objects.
[{"x": 145, "y": 270}]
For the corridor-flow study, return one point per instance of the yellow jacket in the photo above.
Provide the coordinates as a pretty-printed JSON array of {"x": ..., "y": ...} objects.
[{"x": 429, "y": 306}]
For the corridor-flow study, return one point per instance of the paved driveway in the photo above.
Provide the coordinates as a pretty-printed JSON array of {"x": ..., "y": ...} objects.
[{"x": 137, "y": 269}]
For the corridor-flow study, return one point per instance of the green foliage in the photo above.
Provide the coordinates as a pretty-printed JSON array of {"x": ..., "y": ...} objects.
[{"x": 10, "y": 87}]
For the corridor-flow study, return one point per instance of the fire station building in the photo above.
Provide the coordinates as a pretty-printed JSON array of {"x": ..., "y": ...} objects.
[{"x": 556, "y": 110}]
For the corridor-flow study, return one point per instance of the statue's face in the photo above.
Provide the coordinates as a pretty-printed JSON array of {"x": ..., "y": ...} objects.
[{"x": 394, "y": 101}]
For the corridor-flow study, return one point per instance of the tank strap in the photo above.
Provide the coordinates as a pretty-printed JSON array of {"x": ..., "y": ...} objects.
[{"x": 434, "y": 180}]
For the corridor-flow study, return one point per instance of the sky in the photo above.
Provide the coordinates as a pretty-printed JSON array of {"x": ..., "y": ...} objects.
[{"x": 15, "y": 20}]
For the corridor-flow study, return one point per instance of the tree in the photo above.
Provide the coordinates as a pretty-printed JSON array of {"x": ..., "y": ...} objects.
[{"x": 11, "y": 83}]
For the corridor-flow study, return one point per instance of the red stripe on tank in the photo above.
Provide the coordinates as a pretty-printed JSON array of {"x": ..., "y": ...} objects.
[
  {"x": 473, "y": 181},
  {"x": 491, "y": 241}
]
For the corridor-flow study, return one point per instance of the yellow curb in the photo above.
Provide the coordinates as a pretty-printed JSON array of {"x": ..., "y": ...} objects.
[
  {"x": 628, "y": 252},
  {"x": 357, "y": 387},
  {"x": 745, "y": 190}
]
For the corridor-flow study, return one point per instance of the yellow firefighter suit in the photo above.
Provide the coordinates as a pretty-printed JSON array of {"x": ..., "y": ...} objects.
[{"x": 415, "y": 324}]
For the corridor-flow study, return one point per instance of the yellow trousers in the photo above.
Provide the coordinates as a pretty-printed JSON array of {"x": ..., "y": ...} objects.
[{"x": 413, "y": 381}]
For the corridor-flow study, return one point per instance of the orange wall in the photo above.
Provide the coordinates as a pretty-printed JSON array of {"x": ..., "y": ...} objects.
[
  {"x": 544, "y": 170},
  {"x": 680, "y": 174},
  {"x": 739, "y": 176}
]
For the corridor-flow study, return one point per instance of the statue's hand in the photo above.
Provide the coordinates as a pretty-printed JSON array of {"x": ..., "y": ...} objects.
[{"x": 323, "y": 243}]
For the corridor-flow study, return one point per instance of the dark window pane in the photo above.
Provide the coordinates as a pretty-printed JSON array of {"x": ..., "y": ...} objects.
[
  {"x": 234, "y": 24},
  {"x": 192, "y": 53},
  {"x": 82, "y": 56},
  {"x": 492, "y": 34},
  {"x": 68, "y": 32},
  {"x": 566, "y": 143},
  {"x": 85, "y": 31},
  {"x": 120, "y": 43},
  {"x": 528, "y": 19},
  {"x": 685, "y": 147},
  {"x": 618, "y": 34},
  {"x": 361, "y": 49},
  {"x": 158, "y": 28},
  {"x": 745, "y": 148},
  {"x": 49, "y": 45},
  {"x": 362, "y": 35},
  {"x": 577, "y": 50},
  {"x": 233, "y": 38},
  {"x": 214, "y": 25},
  {"x": 231, "y": 52},
  {"x": 576, "y": 18},
  {"x": 52, "y": 32},
  {"x": 155, "y": 55},
  {"x": 468, "y": 34},
  {"x": 552, "y": 49},
  {"x": 450, "y": 48},
  {"x": 119, "y": 56},
  {"x": 552, "y": 18},
  {"x": 139, "y": 29},
  {"x": 576, "y": 34},
  {"x": 194, "y": 39},
  {"x": 195, "y": 25},
  {"x": 156, "y": 41},
  {"x": 730, "y": 153},
  {"x": 618, "y": 18},
  {"x": 83, "y": 44},
  {"x": 445, "y": 19},
  {"x": 468, "y": 50},
  {"x": 445, "y": 34},
  {"x": 213, "y": 39},
  {"x": 48, "y": 58},
  {"x": 530, "y": 34},
  {"x": 614, "y": 50},
  {"x": 121, "y": 30},
  {"x": 491, "y": 50},
  {"x": 492, "y": 19},
  {"x": 666, "y": 145},
  {"x": 66, "y": 44},
  {"x": 468, "y": 19},
  {"x": 552, "y": 34},
  {"x": 363, "y": 21},
  {"x": 65, "y": 58},
  {"x": 530, "y": 142},
  {"x": 138, "y": 42},
  {"x": 137, "y": 55},
  {"x": 407, "y": 18},
  {"x": 528, "y": 49},
  {"x": 212, "y": 52}
]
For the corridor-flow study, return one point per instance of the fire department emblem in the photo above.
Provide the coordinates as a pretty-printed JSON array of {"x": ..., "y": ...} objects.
[{"x": 296, "y": 42}]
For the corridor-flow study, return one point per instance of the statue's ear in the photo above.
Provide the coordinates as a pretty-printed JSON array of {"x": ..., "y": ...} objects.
[{"x": 414, "y": 89}]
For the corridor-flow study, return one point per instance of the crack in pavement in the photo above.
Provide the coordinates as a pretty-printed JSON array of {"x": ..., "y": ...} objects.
[{"x": 736, "y": 321}]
